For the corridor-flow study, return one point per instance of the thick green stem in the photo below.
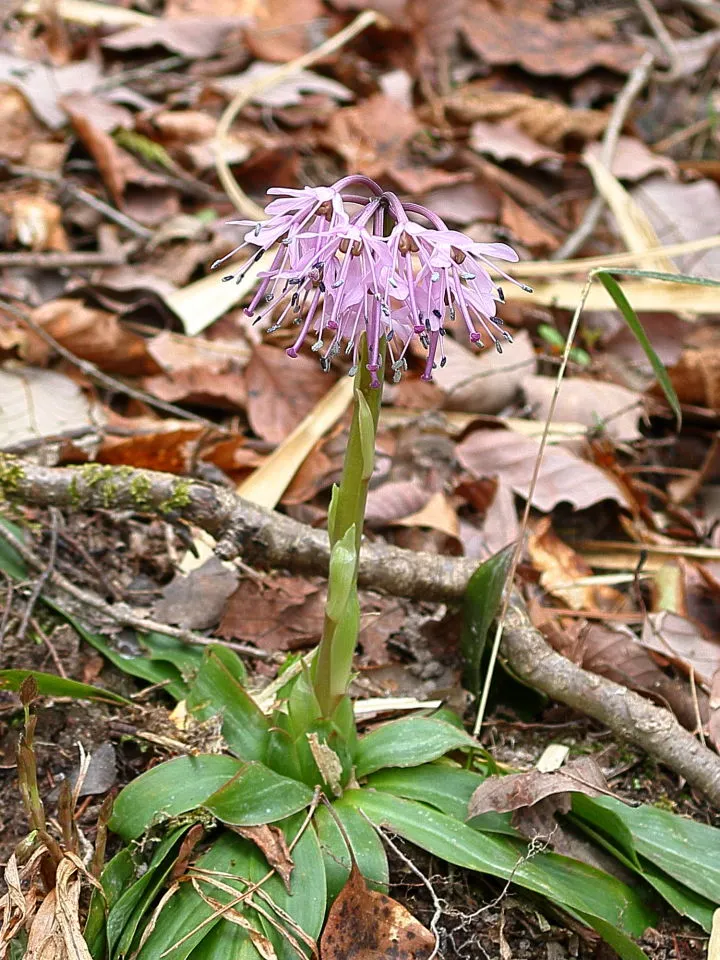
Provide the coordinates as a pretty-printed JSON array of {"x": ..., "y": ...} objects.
[{"x": 333, "y": 663}]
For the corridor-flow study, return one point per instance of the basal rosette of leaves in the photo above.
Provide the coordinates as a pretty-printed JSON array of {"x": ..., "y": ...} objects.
[{"x": 326, "y": 789}]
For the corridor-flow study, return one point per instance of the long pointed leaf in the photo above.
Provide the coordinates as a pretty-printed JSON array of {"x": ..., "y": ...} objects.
[
  {"x": 623, "y": 305},
  {"x": 564, "y": 881},
  {"x": 483, "y": 597}
]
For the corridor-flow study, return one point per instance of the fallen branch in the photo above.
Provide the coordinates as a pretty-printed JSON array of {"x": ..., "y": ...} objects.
[{"x": 266, "y": 538}]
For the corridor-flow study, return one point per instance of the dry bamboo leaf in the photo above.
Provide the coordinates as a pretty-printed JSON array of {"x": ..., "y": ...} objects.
[
  {"x": 205, "y": 301},
  {"x": 633, "y": 223},
  {"x": 90, "y": 13},
  {"x": 646, "y": 296},
  {"x": 267, "y": 484}
]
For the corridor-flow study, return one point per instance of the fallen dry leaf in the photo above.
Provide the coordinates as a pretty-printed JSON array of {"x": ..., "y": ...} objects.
[
  {"x": 200, "y": 385},
  {"x": 684, "y": 211},
  {"x": 282, "y": 93},
  {"x": 546, "y": 121},
  {"x": 633, "y": 160},
  {"x": 483, "y": 381},
  {"x": 90, "y": 334},
  {"x": 270, "y": 840},
  {"x": 514, "y": 31},
  {"x": 525, "y": 228},
  {"x": 560, "y": 566},
  {"x": 437, "y": 514},
  {"x": 616, "y": 653},
  {"x": 196, "y": 600},
  {"x": 167, "y": 450},
  {"x": 462, "y": 203},
  {"x": 193, "y": 37},
  {"x": 366, "y": 925},
  {"x": 371, "y": 136},
  {"x": 392, "y": 501},
  {"x": 282, "y": 29},
  {"x": 505, "y": 141},
  {"x": 563, "y": 477},
  {"x": 36, "y": 222},
  {"x": 281, "y": 392},
  {"x": 607, "y": 406},
  {"x": 682, "y": 642},
  {"x": 505, "y": 793},
  {"x": 41, "y": 403}
]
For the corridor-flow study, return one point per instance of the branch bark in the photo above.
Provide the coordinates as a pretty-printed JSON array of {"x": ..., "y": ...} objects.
[{"x": 265, "y": 538}]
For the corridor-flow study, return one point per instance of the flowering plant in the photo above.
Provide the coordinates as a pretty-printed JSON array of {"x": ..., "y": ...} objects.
[{"x": 367, "y": 274}]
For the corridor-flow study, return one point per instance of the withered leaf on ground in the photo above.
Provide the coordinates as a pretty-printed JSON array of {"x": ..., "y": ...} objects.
[
  {"x": 90, "y": 334},
  {"x": 281, "y": 392},
  {"x": 683, "y": 643},
  {"x": 371, "y": 136},
  {"x": 547, "y": 121},
  {"x": 596, "y": 404},
  {"x": 616, "y": 653},
  {"x": 563, "y": 477},
  {"x": 194, "y": 37},
  {"x": 505, "y": 793},
  {"x": 560, "y": 565},
  {"x": 196, "y": 600},
  {"x": 483, "y": 381},
  {"x": 517, "y": 32},
  {"x": 505, "y": 141},
  {"x": 366, "y": 925},
  {"x": 285, "y": 93},
  {"x": 168, "y": 450}
]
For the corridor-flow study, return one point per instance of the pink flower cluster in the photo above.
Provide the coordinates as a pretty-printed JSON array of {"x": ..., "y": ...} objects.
[{"x": 347, "y": 264}]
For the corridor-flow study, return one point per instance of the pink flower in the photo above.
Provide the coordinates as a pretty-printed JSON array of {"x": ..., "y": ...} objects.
[{"x": 341, "y": 275}]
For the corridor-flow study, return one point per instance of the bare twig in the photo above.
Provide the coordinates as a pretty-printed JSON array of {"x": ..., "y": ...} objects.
[
  {"x": 51, "y": 647},
  {"x": 94, "y": 373},
  {"x": 33, "y": 443},
  {"x": 39, "y": 584},
  {"x": 635, "y": 82},
  {"x": 265, "y": 538},
  {"x": 661, "y": 35},
  {"x": 110, "y": 213},
  {"x": 238, "y": 196}
]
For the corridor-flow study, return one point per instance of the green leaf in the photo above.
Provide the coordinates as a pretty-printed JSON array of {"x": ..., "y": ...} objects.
[
  {"x": 218, "y": 689},
  {"x": 366, "y": 845},
  {"x": 409, "y": 742},
  {"x": 237, "y": 863},
  {"x": 341, "y": 577},
  {"x": 116, "y": 877},
  {"x": 483, "y": 597},
  {"x": 257, "y": 795},
  {"x": 684, "y": 849},
  {"x": 658, "y": 275},
  {"x": 571, "y": 884},
  {"x": 125, "y": 916},
  {"x": 50, "y": 685},
  {"x": 681, "y": 898},
  {"x": 623, "y": 305},
  {"x": 606, "y": 828},
  {"x": 168, "y": 790},
  {"x": 447, "y": 788},
  {"x": 623, "y": 946},
  {"x": 11, "y": 562}
]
